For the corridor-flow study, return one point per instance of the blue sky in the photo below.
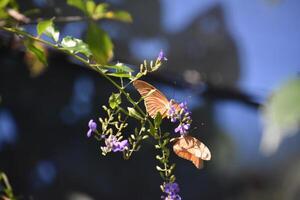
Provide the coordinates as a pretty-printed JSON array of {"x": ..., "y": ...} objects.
[{"x": 267, "y": 35}]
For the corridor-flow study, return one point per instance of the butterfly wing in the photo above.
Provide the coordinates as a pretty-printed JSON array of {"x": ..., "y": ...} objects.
[
  {"x": 154, "y": 100},
  {"x": 190, "y": 148},
  {"x": 200, "y": 150}
]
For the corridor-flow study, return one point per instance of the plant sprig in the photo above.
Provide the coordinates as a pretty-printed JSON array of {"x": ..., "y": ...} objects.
[{"x": 89, "y": 53}]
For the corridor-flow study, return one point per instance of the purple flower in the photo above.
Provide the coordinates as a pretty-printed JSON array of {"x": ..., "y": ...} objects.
[
  {"x": 161, "y": 56},
  {"x": 120, "y": 146},
  {"x": 171, "y": 189},
  {"x": 92, "y": 128},
  {"x": 172, "y": 112},
  {"x": 184, "y": 107},
  {"x": 112, "y": 144},
  {"x": 182, "y": 128},
  {"x": 180, "y": 113}
]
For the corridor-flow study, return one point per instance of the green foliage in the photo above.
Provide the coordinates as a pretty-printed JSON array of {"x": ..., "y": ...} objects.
[
  {"x": 120, "y": 75},
  {"x": 115, "y": 100},
  {"x": 99, "y": 43},
  {"x": 157, "y": 120},
  {"x": 43, "y": 25},
  {"x": 120, "y": 67},
  {"x": 96, "y": 53},
  {"x": 38, "y": 52},
  {"x": 3, "y": 13},
  {"x": 4, "y": 3},
  {"x": 281, "y": 115},
  {"x": 133, "y": 113},
  {"x": 5, "y": 188},
  {"x": 118, "y": 15},
  {"x": 47, "y": 27},
  {"x": 99, "y": 11},
  {"x": 75, "y": 46}
]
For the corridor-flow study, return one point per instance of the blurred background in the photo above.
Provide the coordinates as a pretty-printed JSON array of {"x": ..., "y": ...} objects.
[{"x": 226, "y": 58}]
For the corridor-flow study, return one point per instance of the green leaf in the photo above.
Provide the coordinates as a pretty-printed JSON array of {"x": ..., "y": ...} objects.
[
  {"x": 281, "y": 116},
  {"x": 77, "y": 4},
  {"x": 157, "y": 120},
  {"x": 99, "y": 43},
  {"x": 100, "y": 11},
  {"x": 152, "y": 130},
  {"x": 75, "y": 45},
  {"x": 3, "y": 14},
  {"x": 47, "y": 27},
  {"x": 90, "y": 7},
  {"x": 114, "y": 100},
  {"x": 119, "y": 15},
  {"x": 133, "y": 113},
  {"x": 38, "y": 52},
  {"x": 43, "y": 25},
  {"x": 120, "y": 67},
  {"x": 120, "y": 75},
  {"x": 52, "y": 32},
  {"x": 4, "y": 3},
  {"x": 172, "y": 179}
]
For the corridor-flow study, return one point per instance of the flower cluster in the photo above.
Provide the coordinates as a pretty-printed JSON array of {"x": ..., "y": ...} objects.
[
  {"x": 112, "y": 144},
  {"x": 172, "y": 190},
  {"x": 182, "y": 114}
]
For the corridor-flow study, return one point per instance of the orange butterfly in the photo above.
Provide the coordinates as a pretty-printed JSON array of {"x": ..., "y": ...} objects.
[
  {"x": 186, "y": 147},
  {"x": 190, "y": 148},
  {"x": 155, "y": 101}
]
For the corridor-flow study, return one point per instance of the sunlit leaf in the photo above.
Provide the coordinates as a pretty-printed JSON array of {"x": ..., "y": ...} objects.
[
  {"x": 52, "y": 32},
  {"x": 99, "y": 43},
  {"x": 120, "y": 67},
  {"x": 100, "y": 11},
  {"x": 114, "y": 100},
  {"x": 43, "y": 25},
  {"x": 133, "y": 113},
  {"x": 80, "y": 4},
  {"x": 120, "y": 75},
  {"x": 90, "y": 7},
  {"x": 119, "y": 15},
  {"x": 3, "y": 14},
  {"x": 75, "y": 45},
  {"x": 281, "y": 116},
  {"x": 47, "y": 27},
  {"x": 4, "y": 3}
]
